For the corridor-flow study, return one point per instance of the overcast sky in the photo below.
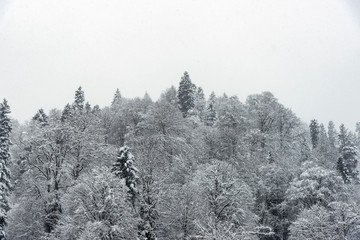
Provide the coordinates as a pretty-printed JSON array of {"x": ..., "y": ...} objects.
[{"x": 306, "y": 52}]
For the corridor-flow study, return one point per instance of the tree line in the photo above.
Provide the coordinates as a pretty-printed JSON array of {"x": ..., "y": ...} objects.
[{"x": 182, "y": 167}]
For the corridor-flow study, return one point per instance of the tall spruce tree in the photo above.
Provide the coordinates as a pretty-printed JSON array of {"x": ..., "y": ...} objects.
[
  {"x": 67, "y": 113},
  {"x": 343, "y": 136},
  {"x": 124, "y": 168},
  {"x": 5, "y": 129},
  {"x": 210, "y": 110},
  {"x": 314, "y": 132},
  {"x": 347, "y": 162},
  {"x": 117, "y": 98},
  {"x": 87, "y": 107},
  {"x": 332, "y": 134},
  {"x": 305, "y": 151},
  {"x": 186, "y": 94},
  {"x": 41, "y": 117},
  {"x": 79, "y": 99},
  {"x": 200, "y": 93},
  {"x": 199, "y": 104},
  {"x": 323, "y": 141}
]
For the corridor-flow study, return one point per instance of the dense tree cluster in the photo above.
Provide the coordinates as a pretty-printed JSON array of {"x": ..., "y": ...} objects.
[
  {"x": 182, "y": 167},
  {"x": 5, "y": 185}
]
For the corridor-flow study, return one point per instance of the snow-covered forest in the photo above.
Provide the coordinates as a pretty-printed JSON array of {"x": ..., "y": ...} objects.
[{"x": 185, "y": 166}]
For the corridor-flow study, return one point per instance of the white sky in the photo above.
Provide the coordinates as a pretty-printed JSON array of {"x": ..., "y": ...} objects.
[{"x": 307, "y": 52}]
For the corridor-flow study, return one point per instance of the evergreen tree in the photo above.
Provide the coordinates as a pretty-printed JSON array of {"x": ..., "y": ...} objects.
[
  {"x": 87, "y": 107},
  {"x": 210, "y": 110},
  {"x": 199, "y": 104},
  {"x": 147, "y": 99},
  {"x": 117, "y": 98},
  {"x": 314, "y": 132},
  {"x": 343, "y": 136},
  {"x": 186, "y": 94},
  {"x": 79, "y": 99},
  {"x": 347, "y": 162},
  {"x": 357, "y": 136},
  {"x": 200, "y": 93},
  {"x": 146, "y": 102},
  {"x": 332, "y": 134},
  {"x": 96, "y": 110},
  {"x": 123, "y": 168},
  {"x": 67, "y": 113},
  {"x": 5, "y": 129},
  {"x": 305, "y": 152},
  {"x": 41, "y": 117},
  {"x": 323, "y": 141}
]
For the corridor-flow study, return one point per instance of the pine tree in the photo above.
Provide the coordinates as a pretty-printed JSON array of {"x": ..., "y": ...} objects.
[
  {"x": 200, "y": 93},
  {"x": 347, "y": 162},
  {"x": 305, "y": 152},
  {"x": 67, "y": 113},
  {"x": 314, "y": 132},
  {"x": 343, "y": 136},
  {"x": 199, "y": 104},
  {"x": 5, "y": 129},
  {"x": 357, "y": 130},
  {"x": 323, "y": 141},
  {"x": 87, "y": 107},
  {"x": 146, "y": 102},
  {"x": 41, "y": 117},
  {"x": 96, "y": 110},
  {"x": 186, "y": 94},
  {"x": 210, "y": 110},
  {"x": 124, "y": 168},
  {"x": 332, "y": 134},
  {"x": 117, "y": 98},
  {"x": 79, "y": 99}
]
